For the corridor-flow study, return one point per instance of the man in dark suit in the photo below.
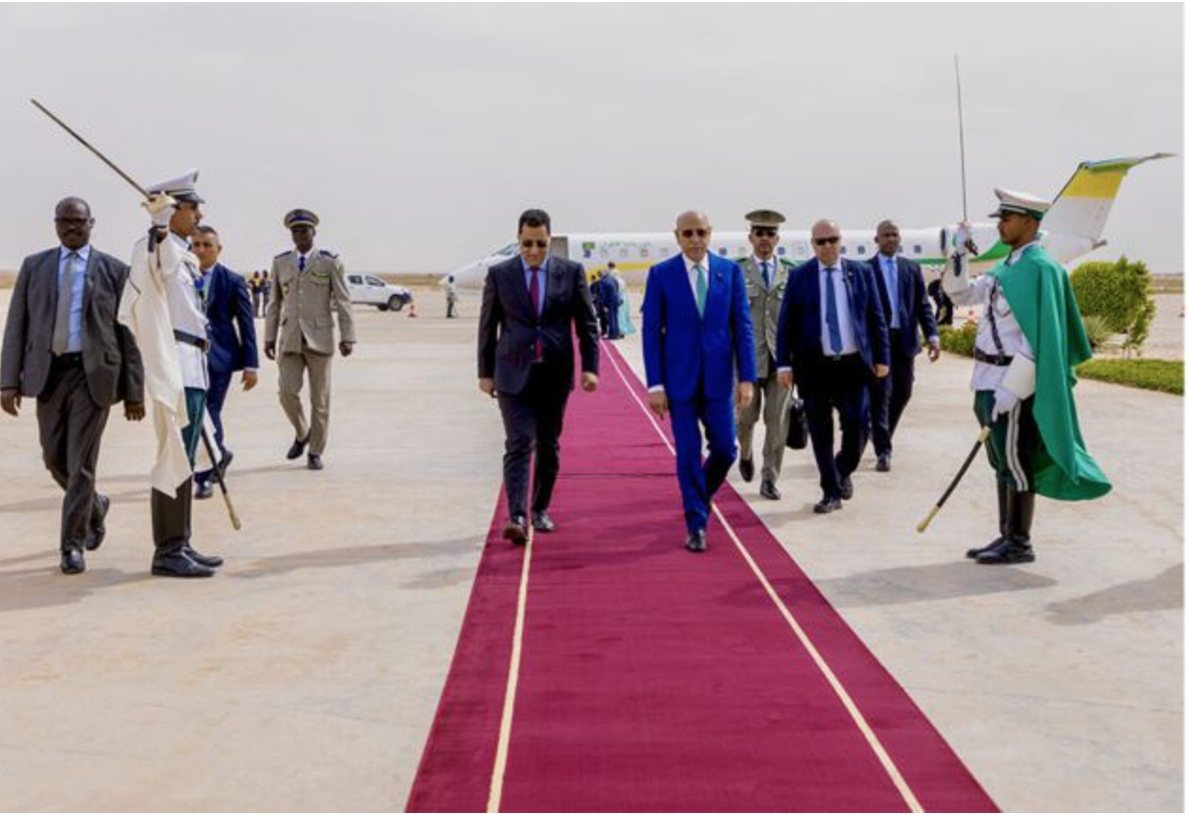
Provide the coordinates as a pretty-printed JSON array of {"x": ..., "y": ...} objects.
[
  {"x": 697, "y": 336},
  {"x": 63, "y": 344},
  {"x": 831, "y": 340},
  {"x": 532, "y": 305},
  {"x": 905, "y": 304},
  {"x": 232, "y": 338}
]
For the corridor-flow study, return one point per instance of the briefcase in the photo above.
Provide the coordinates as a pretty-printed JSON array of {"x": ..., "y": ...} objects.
[{"x": 798, "y": 431}]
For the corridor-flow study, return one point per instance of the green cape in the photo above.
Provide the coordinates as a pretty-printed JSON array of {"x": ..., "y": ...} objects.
[{"x": 1040, "y": 295}]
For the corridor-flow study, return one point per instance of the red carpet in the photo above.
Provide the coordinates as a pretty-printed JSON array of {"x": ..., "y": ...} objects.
[{"x": 652, "y": 679}]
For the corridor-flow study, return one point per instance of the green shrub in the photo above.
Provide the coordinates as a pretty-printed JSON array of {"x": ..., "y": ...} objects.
[
  {"x": 1098, "y": 330},
  {"x": 959, "y": 340},
  {"x": 1118, "y": 292},
  {"x": 1149, "y": 374}
]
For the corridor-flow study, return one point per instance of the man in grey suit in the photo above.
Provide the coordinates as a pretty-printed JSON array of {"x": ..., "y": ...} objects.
[
  {"x": 308, "y": 289},
  {"x": 766, "y": 276},
  {"x": 64, "y": 346}
]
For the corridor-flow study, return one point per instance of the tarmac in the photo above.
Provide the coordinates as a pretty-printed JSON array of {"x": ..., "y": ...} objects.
[{"x": 305, "y": 676}]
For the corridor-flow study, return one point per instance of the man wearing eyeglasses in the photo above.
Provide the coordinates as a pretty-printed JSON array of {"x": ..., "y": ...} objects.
[
  {"x": 766, "y": 277},
  {"x": 696, "y": 335},
  {"x": 532, "y": 306},
  {"x": 832, "y": 340},
  {"x": 64, "y": 345},
  {"x": 904, "y": 300},
  {"x": 1030, "y": 340}
]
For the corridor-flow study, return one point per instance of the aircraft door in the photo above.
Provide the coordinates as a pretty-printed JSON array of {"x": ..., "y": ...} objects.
[{"x": 559, "y": 247}]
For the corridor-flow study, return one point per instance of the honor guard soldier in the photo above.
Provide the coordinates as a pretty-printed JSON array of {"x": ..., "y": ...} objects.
[
  {"x": 308, "y": 288},
  {"x": 1028, "y": 343},
  {"x": 766, "y": 277},
  {"x": 162, "y": 308}
]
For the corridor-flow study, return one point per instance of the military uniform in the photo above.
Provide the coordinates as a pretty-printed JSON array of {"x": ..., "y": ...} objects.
[
  {"x": 307, "y": 291},
  {"x": 766, "y": 283},
  {"x": 1028, "y": 342}
]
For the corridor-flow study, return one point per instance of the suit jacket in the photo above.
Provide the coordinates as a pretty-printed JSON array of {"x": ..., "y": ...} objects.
[
  {"x": 914, "y": 307},
  {"x": 111, "y": 359},
  {"x": 765, "y": 308},
  {"x": 228, "y": 307},
  {"x": 798, "y": 343},
  {"x": 688, "y": 354},
  {"x": 303, "y": 303},
  {"x": 508, "y": 326}
]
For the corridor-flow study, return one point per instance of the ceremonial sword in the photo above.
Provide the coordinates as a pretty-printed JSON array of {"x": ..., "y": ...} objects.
[{"x": 983, "y": 434}]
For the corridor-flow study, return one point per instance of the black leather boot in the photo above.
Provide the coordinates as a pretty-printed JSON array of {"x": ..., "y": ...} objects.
[
  {"x": 1004, "y": 496},
  {"x": 171, "y": 531},
  {"x": 1016, "y": 548}
]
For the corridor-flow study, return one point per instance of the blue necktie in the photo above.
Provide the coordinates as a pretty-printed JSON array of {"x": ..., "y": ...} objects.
[
  {"x": 831, "y": 320},
  {"x": 301, "y": 264},
  {"x": 767, "y": 275},
  {"x": 892, "y": 290}
]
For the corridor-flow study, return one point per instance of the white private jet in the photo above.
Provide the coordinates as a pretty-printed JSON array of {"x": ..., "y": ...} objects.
[{"x": 1072, "y": 228}]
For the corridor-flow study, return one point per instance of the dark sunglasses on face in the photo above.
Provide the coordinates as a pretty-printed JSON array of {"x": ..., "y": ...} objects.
[
  {"x": 763, "y": 231},
  {"x": 689, "y": 233},
  {"x": 826, "y": 240},
  {"x": 529, "y": 244}
]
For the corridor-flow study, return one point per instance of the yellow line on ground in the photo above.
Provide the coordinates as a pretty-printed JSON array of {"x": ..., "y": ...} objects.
[
  {"x": 513, "y": 679},
  {"x": 855, "y": 714}
]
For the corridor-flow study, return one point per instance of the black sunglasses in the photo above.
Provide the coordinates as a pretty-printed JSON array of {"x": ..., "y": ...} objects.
[
  {"x": 689, "y": 233},
  {"x": 528, "y": 244},
  {"x": 763, "y": 231},
  {"x": 826, "y": 240}
]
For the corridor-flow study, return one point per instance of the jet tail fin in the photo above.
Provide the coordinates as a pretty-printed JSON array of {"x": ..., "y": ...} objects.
[{"x": 1084, "y": 204}]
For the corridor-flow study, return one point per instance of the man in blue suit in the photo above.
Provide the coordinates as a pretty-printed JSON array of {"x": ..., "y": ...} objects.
[
  {"x": 831, "y": 340},
  {"x": 228, "y": 307},
  {"x": 905, "y": 307},
  {"x": 696, "y": 336}
]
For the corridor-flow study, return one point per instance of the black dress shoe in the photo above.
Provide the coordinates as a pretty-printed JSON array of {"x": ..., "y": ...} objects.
[
  {"x": 884, "y": 463},
  {"x": 974, "y": 552},
  {"x": 314, "y": 462},
  {"x": 98, "y": 530},
  {"x": 205, "y": 560},
  {"x": 1008, "y": 552},
  {"x": 746, "y": 469},
  {"x": 297, "y": 449},
  {"x": 847, "y": 489},
  {"x": 72, "y": 561},
  {"x": 179, "y": 565},
  {"x": 827, "y": 505},
  {"x": 768, "y": 490},
  {"x": 542, "y": 522},
  {"x": 203, "y": 490},
  {"x": 696, "y": 542},
  {"x": 516, "y": 531}
]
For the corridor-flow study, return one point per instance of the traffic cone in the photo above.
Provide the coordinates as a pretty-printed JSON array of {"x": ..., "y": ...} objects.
[{"x": 412, "y": 310}]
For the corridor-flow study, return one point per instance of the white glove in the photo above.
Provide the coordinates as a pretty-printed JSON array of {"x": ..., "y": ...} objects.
[
  {"x": 161, "y": 208},
  {"x": 1004, "y": 401}
]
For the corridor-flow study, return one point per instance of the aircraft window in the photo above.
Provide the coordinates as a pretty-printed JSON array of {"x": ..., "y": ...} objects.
[
  {"x": 602, "y": 252},
  {"x": 843, "y": 250},
  {"x": 780, "y": 251},
  {"x": 918, "y": 250},
  {"x": 371, "y": 280},
  {"x": 355, "y": 280},
  {"x": 644, "y": 253},
  {"x": 722, "y": 251},
  {"x": 623, "y": 252},
  {"x": 862, "y": 250}
]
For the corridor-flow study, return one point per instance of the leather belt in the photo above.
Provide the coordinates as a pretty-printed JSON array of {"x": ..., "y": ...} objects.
[
  {"x": 190, "y": 339},
  {"x": 67, "y": 359},
  {"x": 1000, "y": 360}
]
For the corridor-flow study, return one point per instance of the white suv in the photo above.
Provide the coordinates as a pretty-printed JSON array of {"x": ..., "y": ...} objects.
[{"x": 371, "y": 290}]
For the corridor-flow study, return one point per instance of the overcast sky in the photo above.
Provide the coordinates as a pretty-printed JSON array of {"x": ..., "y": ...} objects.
[{"x": 418, "y": 133}]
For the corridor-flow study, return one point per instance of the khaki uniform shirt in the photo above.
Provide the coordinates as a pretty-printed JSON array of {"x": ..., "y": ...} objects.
[
  {"x": 303, "y": 303},
  {"x": 765, "y": 307}
]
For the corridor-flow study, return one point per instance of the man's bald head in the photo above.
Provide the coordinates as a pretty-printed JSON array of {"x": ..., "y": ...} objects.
[
  {"x": 693, "y": 234},
  {"x": 887, "y": 238},
  {"x": 826, "y": 241}
]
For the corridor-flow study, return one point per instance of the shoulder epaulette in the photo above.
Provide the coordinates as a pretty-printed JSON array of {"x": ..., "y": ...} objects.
[
  {"x": 331, "y": 254},
  {"x": 282, "y": 253}
]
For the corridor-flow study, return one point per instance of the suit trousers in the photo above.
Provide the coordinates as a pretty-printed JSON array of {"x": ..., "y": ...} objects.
[
  {"x": 532, "y": 422},
  {"x": 216, "y": 397},
  {"x": 70, "y": 427},
  {"x": 292, "y": 368},
  {"x": 171, "y": 516},
  {"x": 889, "y": 397},
  {"x": 699, "y": 481},
  {"x": 771, "y": 401},
  {"x": 841, "y": 386}
]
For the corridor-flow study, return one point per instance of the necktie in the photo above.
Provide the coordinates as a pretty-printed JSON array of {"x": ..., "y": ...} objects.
[
  {"x": 65, "y": 298},
  {"x": 702, "y": 290},
  {"x": 831, "y": 319},
  {"x": 767, "y": 274},
  {"x": 200, "y": 286},
  {"x": 534, "y": 296},
  {"x": 301, "y": 264}
]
